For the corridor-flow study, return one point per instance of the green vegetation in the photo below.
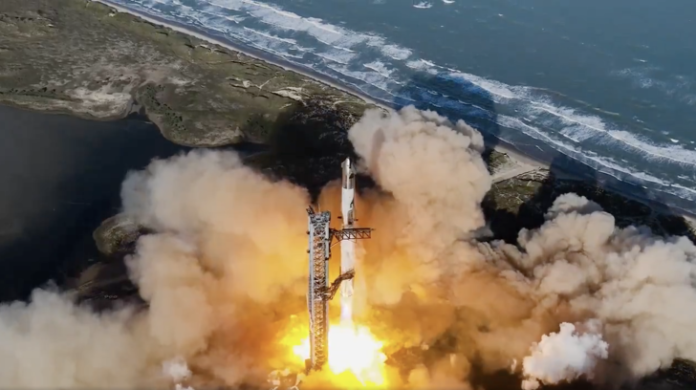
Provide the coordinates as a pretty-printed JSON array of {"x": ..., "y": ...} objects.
[{"x": 83, "y": 58}]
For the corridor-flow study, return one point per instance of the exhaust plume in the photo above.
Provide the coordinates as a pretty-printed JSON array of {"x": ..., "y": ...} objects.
[{"x": 432, "y": 180}]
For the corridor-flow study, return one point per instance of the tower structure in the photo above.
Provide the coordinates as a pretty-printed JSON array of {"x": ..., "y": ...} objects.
[
  {"x": 317, "y": 301},
  {"x": 320, "y": 292}
]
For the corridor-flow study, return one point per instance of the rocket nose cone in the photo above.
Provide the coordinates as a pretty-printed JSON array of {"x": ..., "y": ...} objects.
[{"x": 347, "y": 165}]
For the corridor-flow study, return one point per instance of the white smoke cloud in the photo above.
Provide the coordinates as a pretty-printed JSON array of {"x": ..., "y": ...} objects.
[
  {"x": 230, "y": 213},
  {"x": 563, "y": 356},
  {"x": 639, "y": 285},
  {"x": 435, "y": 179},
  {"x": 432, "y": 168},
  {"x": 51, "y": 343},
  {"x": 178, "y": 371}
]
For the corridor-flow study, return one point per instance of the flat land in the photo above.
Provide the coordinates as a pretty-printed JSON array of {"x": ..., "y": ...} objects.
[{"x": 81, "y": 57}]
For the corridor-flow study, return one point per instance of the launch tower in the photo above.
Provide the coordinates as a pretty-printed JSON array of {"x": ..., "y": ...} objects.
[{"x": 320, "y": 292}]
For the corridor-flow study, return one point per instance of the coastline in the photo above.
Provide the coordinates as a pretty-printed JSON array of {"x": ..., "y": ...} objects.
[
  {"x": 515, "y": 155},
  {"x": 520, "y": 162}
]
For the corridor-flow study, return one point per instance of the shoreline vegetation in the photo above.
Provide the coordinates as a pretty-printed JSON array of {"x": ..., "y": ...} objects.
[{"x": 93, "y": 59}]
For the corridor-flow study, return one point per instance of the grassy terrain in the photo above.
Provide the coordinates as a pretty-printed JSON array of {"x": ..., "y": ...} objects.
[{"x": 81, "y": 57}]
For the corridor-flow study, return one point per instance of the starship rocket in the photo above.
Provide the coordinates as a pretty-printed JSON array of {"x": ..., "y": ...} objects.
[{"x": 347, "y": 246}]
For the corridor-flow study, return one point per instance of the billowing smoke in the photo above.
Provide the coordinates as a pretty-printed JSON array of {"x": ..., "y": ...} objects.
[
  {"x": 432, "y": 180},
  {"x": 564, "y": 356},
  {"x": 500, "y": 299},
  {"x": 229, "y": 243},
  {"x": 225, "y": 269},
  {"x": 638, "y": 285}
]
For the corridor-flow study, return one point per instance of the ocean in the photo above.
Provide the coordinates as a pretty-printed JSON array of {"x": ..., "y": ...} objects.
[{"x": 611, "y": 85}]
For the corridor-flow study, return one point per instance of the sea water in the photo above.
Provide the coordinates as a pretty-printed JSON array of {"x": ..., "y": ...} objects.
[{"x": 611, "y": 85}]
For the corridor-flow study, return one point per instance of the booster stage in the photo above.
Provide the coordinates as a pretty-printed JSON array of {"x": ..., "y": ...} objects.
[{"x": 320, "y": 290}]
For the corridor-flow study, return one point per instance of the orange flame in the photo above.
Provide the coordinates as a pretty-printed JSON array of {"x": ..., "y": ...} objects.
[{"x": 355, "y": 355}]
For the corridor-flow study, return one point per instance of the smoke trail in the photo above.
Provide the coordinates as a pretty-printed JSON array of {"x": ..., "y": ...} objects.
[{"x": 563, "y": 356}]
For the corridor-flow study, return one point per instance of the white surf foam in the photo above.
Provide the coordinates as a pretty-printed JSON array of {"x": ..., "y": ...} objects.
[
  {"x": 422, "y": 5},
  {"x": 576, "y": 125},
  {"x": 360, "y": 59},
  {"x": 380, "y": 68},
  {"x": 329, "y": 34}
]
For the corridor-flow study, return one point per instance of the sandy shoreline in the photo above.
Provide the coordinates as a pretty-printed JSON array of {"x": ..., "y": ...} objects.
[
  {"x": 521, "y": 163},
  {"x": 515, "y": 155},
  {"x": 291, "y": 68}
]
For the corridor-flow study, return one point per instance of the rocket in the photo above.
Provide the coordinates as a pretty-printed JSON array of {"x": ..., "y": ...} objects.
[
  {"x": 348, "y": 193},
  {"x": 347, "y": 246},
  {"x": 319, "y": 250}
]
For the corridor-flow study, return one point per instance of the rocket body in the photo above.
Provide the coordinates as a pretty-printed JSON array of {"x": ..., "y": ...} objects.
[{"x": 348, "y": 254}]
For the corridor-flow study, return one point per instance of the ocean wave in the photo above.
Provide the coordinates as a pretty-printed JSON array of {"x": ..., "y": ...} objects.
[
  {"x": 604, "y": 164},
  {"x": 393, "y": 74},
  {"x": 273, "y": 37},
  {"x": 335, "y": 36},
  {"x": 380, "y": 68},
  {"x": 673, "y": 86},
  {"x": 578, "y": 126}
]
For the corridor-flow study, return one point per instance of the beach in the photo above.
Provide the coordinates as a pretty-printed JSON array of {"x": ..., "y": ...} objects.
[
  {"x": 520, "y": 161},
  {"x": 528, "y": 163}
]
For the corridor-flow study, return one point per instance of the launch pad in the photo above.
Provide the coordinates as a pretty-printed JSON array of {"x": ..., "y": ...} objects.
[{"x": 320, "y": 290}]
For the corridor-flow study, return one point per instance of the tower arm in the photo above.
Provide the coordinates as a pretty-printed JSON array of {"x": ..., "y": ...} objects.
[
  {"x": 351, "y": 234},
  {"x": 331, "y": 291}
]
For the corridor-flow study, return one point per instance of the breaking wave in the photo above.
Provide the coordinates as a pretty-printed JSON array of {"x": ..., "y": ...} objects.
[{"x": 395, "y": 75}]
